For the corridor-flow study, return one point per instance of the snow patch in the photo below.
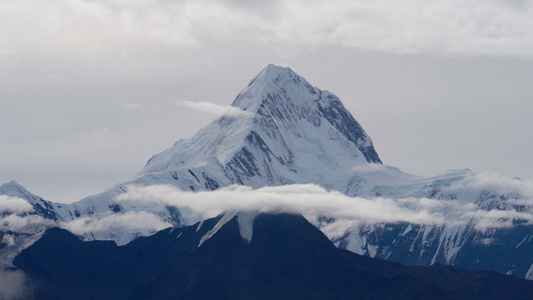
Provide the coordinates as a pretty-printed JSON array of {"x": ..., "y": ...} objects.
[
  {"x": 407, "y": 230},
  {"x": 529, "y": 274},
  {"x": 225, "y": 219},
  {"x": 356, "y": 243},
  {"x": 372, "y": 250},
  {"x": 121, "y": 228},
  {"x": 199, "y": 225},
  {"x": 246, "y": 224}
]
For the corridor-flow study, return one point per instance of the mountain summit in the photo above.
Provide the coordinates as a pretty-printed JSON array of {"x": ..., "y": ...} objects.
[
  {"x": 278, "y": 93},
  {"x": 282, "y": 131}
]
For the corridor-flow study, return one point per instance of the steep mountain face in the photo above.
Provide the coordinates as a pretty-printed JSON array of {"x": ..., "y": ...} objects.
[
  {"x": 282, "y": 131},
  {"x": 506, "y": 250},
  {"x": 497, "y": 235},
  {"x": 286, "y": 258}
]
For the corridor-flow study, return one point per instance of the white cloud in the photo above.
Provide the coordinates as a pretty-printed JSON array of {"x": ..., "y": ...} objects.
[
  {"x": 8, "y": 240},
  {"x": 14, "y": 285},
  {"x": 313, "y": 201},
  {"x": 490, "y": 181},
  {"x": 306, "y": 199},
  {"x": 10, "y": 204},
  {"x": 28, "y": 224},
  {"x": 122, "y": 228},
  {"x": 213, "y": 108},
  {"x": 471, "y": 27},
  {"x": 499, "y": 218}
]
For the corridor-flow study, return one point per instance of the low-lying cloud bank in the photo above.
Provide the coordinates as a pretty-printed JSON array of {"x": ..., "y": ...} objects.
[
  {"x": 122, "y": 228},
  {"x": 494, "y": 183},
  {"x": 10, "y": 204},
  {"x": 25, "y": 224},
  {"x": 313, "y": 201},
  {"x": 507, "y": 202}
]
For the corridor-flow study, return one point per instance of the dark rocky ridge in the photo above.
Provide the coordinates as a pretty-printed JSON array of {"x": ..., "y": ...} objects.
[{"x": 288, "y": 258}]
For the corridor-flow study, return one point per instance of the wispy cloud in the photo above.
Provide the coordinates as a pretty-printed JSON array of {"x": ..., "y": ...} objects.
[
  {"x": 307, "y": 199},
  {"x": 25, "y": 224},
  {"x": 14, "y": 285},
  {"x": 10, "y": 204},
  {"x": 493, "y": 182},
  {"x": 122, "y": 228},
  {"x": 213, "y": 108},
  {"x": 313, "y": 201}
]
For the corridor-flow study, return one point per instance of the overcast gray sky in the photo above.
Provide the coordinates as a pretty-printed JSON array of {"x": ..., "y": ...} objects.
[{"x": 88, "y": 88}]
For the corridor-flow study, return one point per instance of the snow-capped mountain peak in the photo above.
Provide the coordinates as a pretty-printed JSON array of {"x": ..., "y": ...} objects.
[
  {"x": 14, "y": 189},
  {"x": 280, "y": 94},
  {"x": 288, "y": 132},
  {"x": 40, "y": 206},
  {"x": 275, "y": 80}
]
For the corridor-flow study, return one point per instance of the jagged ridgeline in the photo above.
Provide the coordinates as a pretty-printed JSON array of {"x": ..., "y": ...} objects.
[{"x": 282, "y": 130}]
